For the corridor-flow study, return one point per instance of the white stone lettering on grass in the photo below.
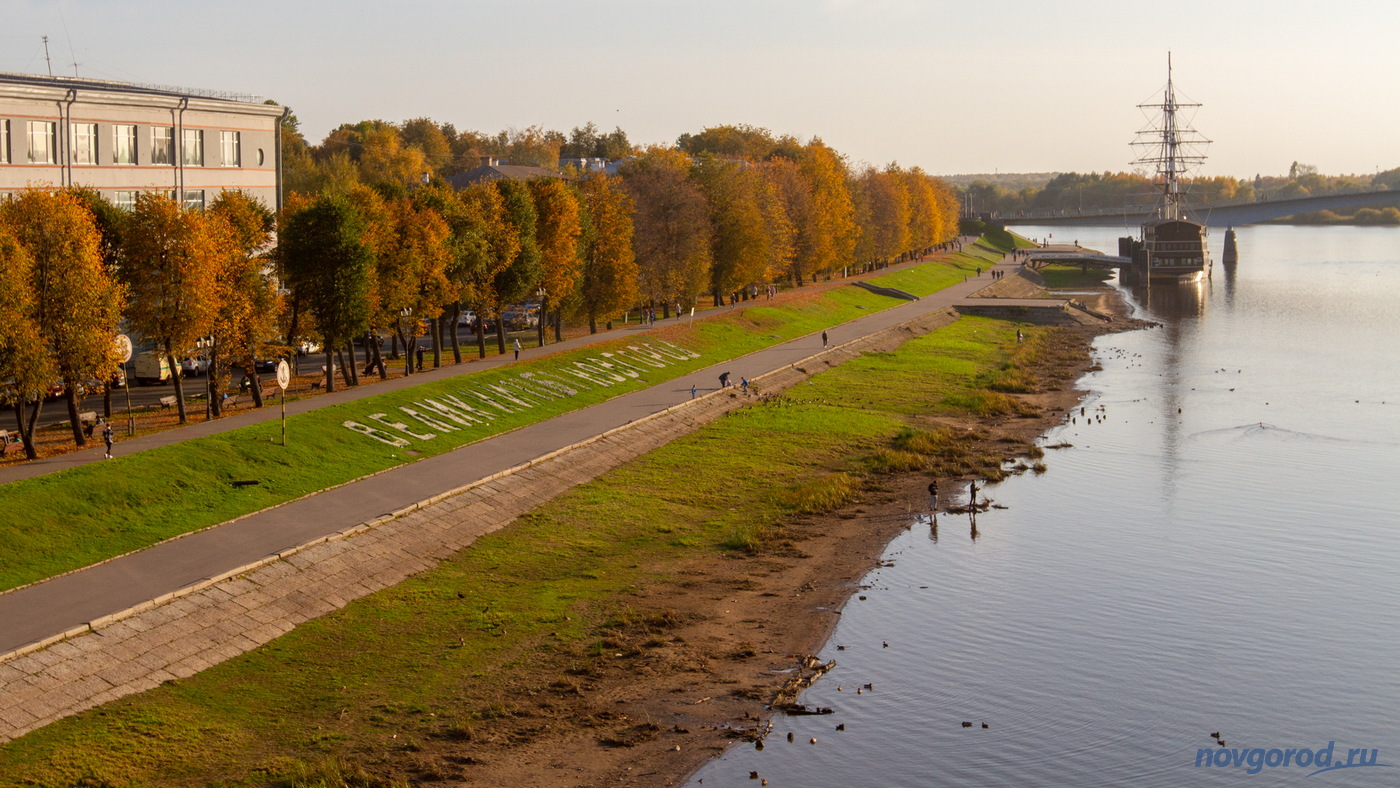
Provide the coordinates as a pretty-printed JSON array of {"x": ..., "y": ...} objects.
[
  {"x": 509, "y": 396},
  {"x": 457, "y": 403},
  {"x": 428, "y": 420},
  {"x": 461, "y": 416},
  {"x": 552, "y": 383},
  {"x": 379, "y": 435},
  {"x": 640, "y": 356},
  {"x": 400, "y": 426},
  {"x": 583, "y": 371},
  {"x": 486, "y": 398},
  {"x": 627, "y": 369},
  {"x": 527, "y": 390},
  {"x": 674, "y": 351}
]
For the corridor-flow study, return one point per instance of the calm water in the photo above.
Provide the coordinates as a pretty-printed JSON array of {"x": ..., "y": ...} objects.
[{"x": 1218, "y": 552}]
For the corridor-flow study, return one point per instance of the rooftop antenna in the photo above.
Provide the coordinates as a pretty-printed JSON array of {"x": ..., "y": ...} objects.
[{"x": 46, "y": 55}]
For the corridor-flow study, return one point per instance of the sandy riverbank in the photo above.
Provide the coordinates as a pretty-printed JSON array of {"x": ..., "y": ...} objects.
[{"x": 693, "y": 667}]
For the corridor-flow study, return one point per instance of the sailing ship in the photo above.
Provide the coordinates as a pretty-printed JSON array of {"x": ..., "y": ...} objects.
[{"x": 1173, "y": 246}]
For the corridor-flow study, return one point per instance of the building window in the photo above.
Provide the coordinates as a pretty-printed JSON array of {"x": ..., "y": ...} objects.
[
  {"x": 192, "y": 147},
  {"x": 162, "y": 144},
  {"x": 84, "y": 143},
  {"x": 125, "y": 200},
  {"x": 194, "y": 199},
  {"x": 123, "y": 144},
  {"x": 42, "y": 141},
  {"x": 4, "y": 141},
  {"x": 229, "y": 148}
]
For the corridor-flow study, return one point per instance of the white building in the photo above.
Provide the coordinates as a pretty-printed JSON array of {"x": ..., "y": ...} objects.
[{"x": 121, "y": 139}]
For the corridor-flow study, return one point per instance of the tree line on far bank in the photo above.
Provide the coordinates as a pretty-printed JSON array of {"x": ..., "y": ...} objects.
[{"x": 364, "y": 248}]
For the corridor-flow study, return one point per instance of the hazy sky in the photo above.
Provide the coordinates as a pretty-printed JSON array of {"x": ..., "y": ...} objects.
[{"x": 954, "y": 87}]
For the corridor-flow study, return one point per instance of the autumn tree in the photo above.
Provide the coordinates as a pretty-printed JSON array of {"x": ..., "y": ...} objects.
[
  {"x": 883, "y": 211},
  {"x": 501, "y": 247},
  {"x": 829, "y": 232},
  {"x": 245, "y": 326},
  {"x": 672, "y": 229},
  {"x": 77, "y": 304},
  {"x": 752, "y": 236},
  {"x": 329, "y": 265},
  {"x": 608, "y": 281},
  {"x": 171, "y": 257},
  {"x": 26, "y": 368},
  {"x": 519, "y": 277},
  {"x": 557, "y": 233}
]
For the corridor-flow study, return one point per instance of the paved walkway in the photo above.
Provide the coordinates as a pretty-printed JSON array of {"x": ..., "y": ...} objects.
[
  {"x": 171, "y": 639},
  {"x": 70, "y": 603}
]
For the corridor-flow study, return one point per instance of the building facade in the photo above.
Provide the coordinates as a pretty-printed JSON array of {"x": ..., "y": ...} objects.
[{"x": 122, "y": 139}]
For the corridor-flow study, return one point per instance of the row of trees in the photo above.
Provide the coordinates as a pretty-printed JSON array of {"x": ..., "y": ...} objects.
[
  {"x": 373, "y": 252},
  {"x": 72, "y": 267},
  {"x": 1072, "y": 191}
]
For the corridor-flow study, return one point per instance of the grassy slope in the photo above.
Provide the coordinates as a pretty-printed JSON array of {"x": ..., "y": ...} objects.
[
  {"x": 408, "y": 662},
  {"x": 74, "y": 518}
]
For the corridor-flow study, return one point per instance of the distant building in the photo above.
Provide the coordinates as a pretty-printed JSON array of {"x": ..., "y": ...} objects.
[
  {"x": 493, "y": 169},
  {"x": 122, "y": 139}
]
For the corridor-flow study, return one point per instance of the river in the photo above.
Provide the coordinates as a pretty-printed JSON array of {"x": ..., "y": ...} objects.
[{"x": 1216, "y": 553}]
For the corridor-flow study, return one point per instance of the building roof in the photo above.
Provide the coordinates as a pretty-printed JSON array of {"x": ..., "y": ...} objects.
[
  {"x": 496, "y": 172},
  {"x": 40, "y": 87}
]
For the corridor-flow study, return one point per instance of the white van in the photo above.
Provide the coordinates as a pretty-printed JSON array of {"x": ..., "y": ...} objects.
[{"x": 150, "y": 367}]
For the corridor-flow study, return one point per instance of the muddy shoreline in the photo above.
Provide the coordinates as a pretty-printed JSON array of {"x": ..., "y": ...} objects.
[{"x": 702, "y": 654}]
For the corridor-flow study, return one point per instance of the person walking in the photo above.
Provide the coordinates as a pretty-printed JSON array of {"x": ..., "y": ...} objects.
[
  {"x": 515, "y": 343},
  {"x": 420, "y": 359},
  {"x": 724, "y": 380},
  {"x": 933, "y": 496},
  {"x": 824, "y": 340},
  {"x": 692, "y": 391},
  {"x": 108, "y": 437},
  {"x": 744, "y": 384}
]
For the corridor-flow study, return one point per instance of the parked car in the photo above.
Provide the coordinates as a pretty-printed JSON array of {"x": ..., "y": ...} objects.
[{"x": 194, "y": 366}]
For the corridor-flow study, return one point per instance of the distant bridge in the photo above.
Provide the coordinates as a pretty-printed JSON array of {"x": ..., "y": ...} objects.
[{"x": 1213, "y": 215}]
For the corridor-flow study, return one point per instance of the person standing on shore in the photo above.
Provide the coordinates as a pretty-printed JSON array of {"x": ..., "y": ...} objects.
[
  {"x": 972, "y": 494},
  {"x": 933, "y": 496}
]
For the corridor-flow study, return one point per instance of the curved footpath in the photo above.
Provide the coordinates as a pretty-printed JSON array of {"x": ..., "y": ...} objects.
[{"x": 171, "y": 610}]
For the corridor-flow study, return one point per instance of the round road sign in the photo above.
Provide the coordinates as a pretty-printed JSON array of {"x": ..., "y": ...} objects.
[
  {"x": 124, "y": 347},
  {"x": 284, "y": 374}
]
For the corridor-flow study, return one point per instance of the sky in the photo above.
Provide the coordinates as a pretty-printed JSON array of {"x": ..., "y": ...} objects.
[{"x": 952, "y": 87}]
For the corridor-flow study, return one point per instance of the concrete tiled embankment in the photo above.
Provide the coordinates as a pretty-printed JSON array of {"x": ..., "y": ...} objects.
[{"x": 178, "y": 637}]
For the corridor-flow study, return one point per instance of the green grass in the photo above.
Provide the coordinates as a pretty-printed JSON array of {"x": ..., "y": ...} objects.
[
  {"x": 362, "y": 687},
  {"x": 1067, "y": 277},
  {"x": 924, "y": 280},
  {"x": 68, "y": 520}
]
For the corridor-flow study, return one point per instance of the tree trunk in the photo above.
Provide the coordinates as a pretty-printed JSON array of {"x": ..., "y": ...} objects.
[
  {"x": 212, "y": 385},
  {"x": 437, "y": 342},
  {"x": 378, "y": 361},
  {"x": 70, "y": 396},
  {"x": 107, "y": 400},
  {"x": 354, "y": 366},
  {"x": 26, "y": 431},
  {"x": 480, "y": 337},
  {"x": 177, "y": 378},
  {"x": 394, "y": 345},
  {"x": 452, "y": 333},
  {"x": 330, "y": 369},
  {"x": 255, "y": 385},
  {"x": 501, "y": 334},
  {"x": 408, "y": 343},
  {"x": 344, "y": 372}
]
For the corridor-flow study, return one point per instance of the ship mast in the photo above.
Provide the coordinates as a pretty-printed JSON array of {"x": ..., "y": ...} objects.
[{"x": 1171, "y": 146}]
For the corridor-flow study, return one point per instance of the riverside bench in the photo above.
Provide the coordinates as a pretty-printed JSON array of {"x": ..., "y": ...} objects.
[
  {"x": 167, "y": 402},
  {"x": 13, "y": 447}
]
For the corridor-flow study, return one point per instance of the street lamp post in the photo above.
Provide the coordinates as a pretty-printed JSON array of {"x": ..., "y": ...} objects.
[
  {"x": 203, "y": 344},
  {"x": 540, "y": 293}
]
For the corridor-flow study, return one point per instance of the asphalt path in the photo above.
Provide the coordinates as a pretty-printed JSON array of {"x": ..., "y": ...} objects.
[{"x": 56, "y": 605}]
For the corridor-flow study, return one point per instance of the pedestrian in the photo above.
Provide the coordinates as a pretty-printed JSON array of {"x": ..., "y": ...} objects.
[
  {"x": 744, "y": 385},
  {"x": 108, "y": 437},
  {"x": 724, "y": 380},
  {"x": 692, "y": 391},
  {"x": 1018, "y": 336},
  {"x": 972, "y": 494},
  {"x": 979, "y": 270},
  {"x": 824, "y": 339},
  {"x": 420, "y": 359},
  {"x": 933, "y": 496},
  {"x": 516, "y": 344}
]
